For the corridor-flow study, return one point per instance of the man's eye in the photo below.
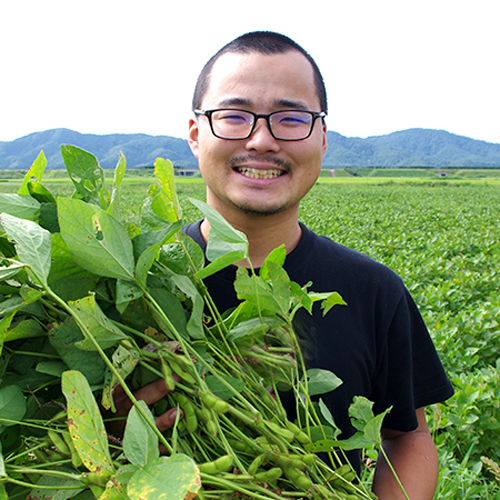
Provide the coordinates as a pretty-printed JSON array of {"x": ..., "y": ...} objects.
[
  {"x": 293, "y": 119},
  {"x": 235, "y": 118}
]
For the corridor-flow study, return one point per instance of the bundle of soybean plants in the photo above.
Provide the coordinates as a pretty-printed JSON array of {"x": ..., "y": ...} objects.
[{"x": 91, "y": 305}]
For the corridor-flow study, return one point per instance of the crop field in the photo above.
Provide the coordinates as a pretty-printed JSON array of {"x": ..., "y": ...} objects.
[{"x": 443, "y": 238}]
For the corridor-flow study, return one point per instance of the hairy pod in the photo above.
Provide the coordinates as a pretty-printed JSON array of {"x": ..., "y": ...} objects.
[
  {"x": 214, "y": 403},
  {"x": 298, "y": 477},
  {"x": 58, "y": 442},
  {"x": 256, "y": 463},
  {"x": 222, "y": 464},
  {"x": 167, "y": 375},
  {"x": 189, "y": 411},
  {"x": 183, "y": 375},
  {"x": 268, "y": 475}
]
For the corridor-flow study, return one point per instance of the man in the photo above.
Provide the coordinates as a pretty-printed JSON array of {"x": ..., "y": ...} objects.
[{"x": 259, "y": 134}]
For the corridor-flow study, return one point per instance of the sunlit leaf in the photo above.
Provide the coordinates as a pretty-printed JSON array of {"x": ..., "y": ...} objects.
[
  {"x": 164, "y": 170},
  {"x": 97, "y": 324},
  {"x": 96, "y": 240},
  {"x": 33, "y": 244},
  {"x": 34, "y": 174},
  {"x": 167, "y": 478}
]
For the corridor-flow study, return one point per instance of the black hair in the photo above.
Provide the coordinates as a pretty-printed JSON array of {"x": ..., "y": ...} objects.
[{"x": 264, "y": 42}]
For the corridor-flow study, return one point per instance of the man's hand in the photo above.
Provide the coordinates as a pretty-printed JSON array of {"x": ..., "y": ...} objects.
[
  {"x": 414, "y": 457},
  {"x": 150, "y": 394}
]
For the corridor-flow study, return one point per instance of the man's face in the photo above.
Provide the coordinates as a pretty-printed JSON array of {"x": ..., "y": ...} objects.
[{"x": 259, "y": 175}]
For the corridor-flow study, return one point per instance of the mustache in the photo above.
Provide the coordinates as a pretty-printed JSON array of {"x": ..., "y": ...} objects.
[{"x": 248, "y": 158}]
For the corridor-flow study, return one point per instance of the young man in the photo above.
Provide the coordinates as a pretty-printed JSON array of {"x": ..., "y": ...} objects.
[{"x": 259, "y": 134}]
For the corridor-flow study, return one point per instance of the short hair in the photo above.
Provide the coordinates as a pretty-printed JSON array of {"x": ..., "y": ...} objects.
[{"x": 264, "y": 42}]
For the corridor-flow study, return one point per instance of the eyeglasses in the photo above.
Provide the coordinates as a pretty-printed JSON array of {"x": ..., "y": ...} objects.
[{"x": 237, "y": 124}]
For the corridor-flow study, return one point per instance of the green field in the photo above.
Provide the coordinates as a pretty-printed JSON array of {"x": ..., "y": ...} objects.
[{"x": 442, "y": 237}]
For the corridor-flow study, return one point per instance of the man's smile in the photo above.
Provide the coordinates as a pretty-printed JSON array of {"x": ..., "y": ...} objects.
[{"x": 257, "y": 173}]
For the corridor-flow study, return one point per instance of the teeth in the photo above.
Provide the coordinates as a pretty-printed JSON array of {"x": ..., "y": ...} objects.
[{"x": 256, "y": 173}]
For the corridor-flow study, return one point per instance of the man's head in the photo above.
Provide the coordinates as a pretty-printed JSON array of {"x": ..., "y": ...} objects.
[
  {"x": 263, "y": 42},
  {"x": 257, "y": 130}
]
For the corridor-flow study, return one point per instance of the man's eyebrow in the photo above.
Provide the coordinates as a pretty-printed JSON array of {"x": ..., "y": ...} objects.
[
  {"x": 235, "y": 101},
  {"x": 277, "y": 103},
  {"x": 287, "y": 103}
]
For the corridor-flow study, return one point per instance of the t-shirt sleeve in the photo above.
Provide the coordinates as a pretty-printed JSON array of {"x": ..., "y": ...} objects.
[{"x": 409, "y": 372}]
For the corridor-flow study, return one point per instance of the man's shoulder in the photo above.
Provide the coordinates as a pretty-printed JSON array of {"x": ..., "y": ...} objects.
[{"x": 330, "y": 265}]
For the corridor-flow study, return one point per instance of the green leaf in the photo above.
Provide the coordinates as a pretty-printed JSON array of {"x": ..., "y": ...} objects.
[
  {"x": 66, "y": 278},
  {"x": 167, "y": 478},
  {"x": 28, "y": 328},
  {"x": 33, "y": 244},
  {"x": 277, "y": 256},
  {"x": 164, "y": 171},
  {"x": 24, "y": 207},
  {"x": 173, "y": 309},
  {"x": 140, "y": 442},
  {"x": 35, "y": 173},
  {"x": 254, "y": 327},
  {"x": 12, "y": 270},
  {"x": 90, "y": 364},
  {"x": 257, "y": 291},
  {"x": 321, "y": 381},
  {"x": 325, "y": 412},
  {"x": 96, "y": 240},
  {"x": 195, "y": 322},
  {"x": 114, "y": 204},
  {"x": 126, "y": 292},
  {"x": 39, "y": 192},
  {"x": 280, "y": 284},
  {"x": 124, "y": 360},
  {"x": 367, "y": 424},
  {"x": 147, "y": 248},
  {"x": 220, "y": 263},
  {"x": 85, "y": 424},
  {"x": 59, "y": 492},
  {"x": 328, "y": 300},
  {"x": 12, "y": 405},
  {"x": 85, "y": 173},
  {"x": 221, "y": 390},
  {"x": 116, "y": 487},
  {"x": 222, "y": 237},
  {"x": 97, "y": 324}
]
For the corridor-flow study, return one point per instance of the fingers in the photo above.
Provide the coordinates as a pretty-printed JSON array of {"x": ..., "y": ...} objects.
[
  {"x": 167, "y": 420},
  {"x": 152, "y": 392}
]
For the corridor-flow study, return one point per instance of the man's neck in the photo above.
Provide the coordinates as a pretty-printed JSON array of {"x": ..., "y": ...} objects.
[{"x": 264, "y": 233}]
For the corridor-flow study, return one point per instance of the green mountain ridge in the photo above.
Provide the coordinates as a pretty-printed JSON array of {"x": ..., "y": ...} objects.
[{"x": 407, "y": 148}]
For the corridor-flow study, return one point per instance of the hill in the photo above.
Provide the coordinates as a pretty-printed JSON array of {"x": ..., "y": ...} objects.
[
  {"x": 408, "y": 148},
  {"x": 411, "y": 148},
  {"x": 139, "y": 149}
]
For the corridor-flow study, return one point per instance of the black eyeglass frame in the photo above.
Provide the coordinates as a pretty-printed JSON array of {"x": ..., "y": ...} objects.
[{"x": 208, "y": 113}]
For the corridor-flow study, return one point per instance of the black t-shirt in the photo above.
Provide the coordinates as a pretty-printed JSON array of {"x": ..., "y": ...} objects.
[{"x": 378, "y": 344}]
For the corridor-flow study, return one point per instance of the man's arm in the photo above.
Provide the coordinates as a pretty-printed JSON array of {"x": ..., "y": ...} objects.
[{"x": 414, "y": 457}]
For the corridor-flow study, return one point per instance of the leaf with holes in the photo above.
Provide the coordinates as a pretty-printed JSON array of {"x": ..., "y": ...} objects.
[
  {"x": 96, "y": 240},
  {"x": 85, "y": 424}
]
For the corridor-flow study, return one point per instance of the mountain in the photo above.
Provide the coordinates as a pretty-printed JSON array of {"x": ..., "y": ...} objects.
[
  {"x": 413, "y": 147},
  {"x": 139, "y": 149}
]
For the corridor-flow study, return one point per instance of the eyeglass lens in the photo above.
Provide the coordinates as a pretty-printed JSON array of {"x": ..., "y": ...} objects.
[{"x": 238, "y": 124}]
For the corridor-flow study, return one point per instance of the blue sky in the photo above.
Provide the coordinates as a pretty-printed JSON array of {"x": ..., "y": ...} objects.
[{"x": 110, "y": 66}]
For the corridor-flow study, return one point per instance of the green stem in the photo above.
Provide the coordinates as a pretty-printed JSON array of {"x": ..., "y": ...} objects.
[
  {"x": 393, "y": 472},
  {"x": 48, "y": 472},
  {"x": 42, "y": 487},
  {"x": 110, "y": 365}
]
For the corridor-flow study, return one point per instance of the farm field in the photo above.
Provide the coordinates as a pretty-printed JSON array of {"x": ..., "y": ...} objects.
[{"x": 442, "y": 237}]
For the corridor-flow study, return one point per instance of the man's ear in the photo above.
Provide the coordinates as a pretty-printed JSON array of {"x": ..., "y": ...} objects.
[
  {"x": 325, "y": 141},
  {"x": 193, "y": 137}
]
